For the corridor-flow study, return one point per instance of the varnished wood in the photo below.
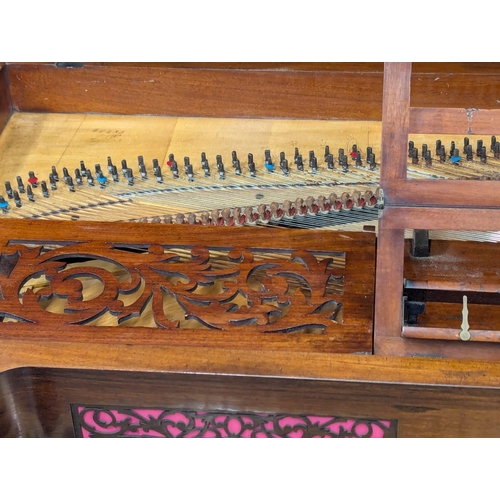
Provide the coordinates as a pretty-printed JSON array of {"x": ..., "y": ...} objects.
[
  {"x": 195, "y": 92},
  {"x": 388, "y": 283},
  {"x": 449, "y": 334},
  {"x": 5, "y": 100},
  {"x": 420, "y": 411},
  {"x": 465, "y": 219},
  {"x": 317, "y": 319},
  {"x": 454, "y": 121},
  {"x": 442, "y": 193},
  {"x": 396, "y": 103}
]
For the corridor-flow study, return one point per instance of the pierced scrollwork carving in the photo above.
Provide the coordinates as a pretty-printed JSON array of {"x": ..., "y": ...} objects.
[
  {"x": 101, "y": 421},
  {"x": 78, "y": 283}
]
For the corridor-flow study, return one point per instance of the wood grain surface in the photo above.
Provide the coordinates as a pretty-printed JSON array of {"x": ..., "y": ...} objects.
[
  {"x": 36, "y": 402},
  {"x": 5, "y": 100}
]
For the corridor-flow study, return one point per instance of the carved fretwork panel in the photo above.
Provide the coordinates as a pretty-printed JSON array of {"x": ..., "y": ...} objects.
[
  {"x": 190, "y": 283},
  {"x": 104, "y": 421}
]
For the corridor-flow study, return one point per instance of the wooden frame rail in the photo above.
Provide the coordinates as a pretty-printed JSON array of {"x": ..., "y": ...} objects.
[{"x": 424, "y": 204}]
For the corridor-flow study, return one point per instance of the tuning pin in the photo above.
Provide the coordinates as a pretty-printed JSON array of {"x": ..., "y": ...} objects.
[
  {"x": 83, "y": 169},
  {"x": 369, "y": 151},
  {"x": 411, "y": 147},
  {"x": 124, "y": 168},
  {"x": 341, "y": 152},
  {"x": 469, "y": 153},
  {"x": 65, "y": 174},
  {"x": 90, "y": 179},
  {"x": 8, "y": 189},
  {"x": 359, "y": 162},
  {"x": 296, "y": 155},
  {"x": 442, "y": 154},
  {"x": 70, "y": 184},
  {"x": 493, "y": 142},
  {"x": 466, "y": 144},
  {"x": 98, "y": 170},
  {"x": 329, "y": 161},
  {"x": 268, "y": 161},
  {"x": 371, "y": 161},
  {"x": 52, "y": 182},
  {"x": 140, "y": 160},
  {"x": 4, "y": 205},
  {"x": 327, "y": 152},
  {"x": 414, "y": 156},
  {"x": 479, "y": 147},
  {"x": 17, "y": 199},
  {"x": 237, "y": 167},
  {"x": 344, "y": 163},
  {"x": 78, "y": 177},
  {"x": 220, "y": 167},
  {"x": 284, "y": 166},
  {"x": 20, "y": 185},
  {"x": 130, "y": 177},
  {"x": 284, "y": 163},
  {"x": 234, "y": 158},
  {"x": 188, "y": 168},
  {"x": 483, "y": 154},
  {"x": 313, "y": 162},
  {"x": 173, "y": 166},
  {"x": 45, "y": 191},
  {"x": 438, "y": 147},
  {"x": 143, "y": 171},
  {"x": 204, "y": 165},
  {"x": 300, "y": 163},
  {"x": 114, "y": 174},
  {"x": 101, "y": 179},
  {"x": 354, "y": 151},
  {"x": 29, "y": 192},
  {"x": 251, "y": 165},
  {"x": 32, "y": 179},
  {"x": 428, "y": 159},
  {"x": 452, "y": 148},
  {"x": 496, "y": 150},
  {"x": 157, "y": 171},
  {"x": 55, "y": 174},
  {"x": 455, "y": 157},
  {"x": 424, "y": 150},
  {"x": 110, "y": 165}
]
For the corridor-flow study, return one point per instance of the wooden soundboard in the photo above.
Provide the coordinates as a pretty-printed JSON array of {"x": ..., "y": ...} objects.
[{"x": 117, "y": 362}]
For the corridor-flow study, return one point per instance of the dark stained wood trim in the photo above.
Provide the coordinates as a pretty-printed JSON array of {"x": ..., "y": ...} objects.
[
  {"x": 467, "y": 351},
  {"x": 389, "y": 282},
  {"x": 257, "y": 90},
  {"x": 197, "y": 92},
  {"x": 416, "y": 332},
  {"x": 396, "y": 104},
  {"x": 454, "y": 121},
  {"x": 5, "y": 100},
  {"x": 458, "y": 219},
  {"x": 441, "y": 193},
  {"x": 182, "y": 359}
]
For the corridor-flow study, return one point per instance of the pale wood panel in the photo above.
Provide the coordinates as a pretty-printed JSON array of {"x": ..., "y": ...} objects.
[{"x": 35, "y": 141}]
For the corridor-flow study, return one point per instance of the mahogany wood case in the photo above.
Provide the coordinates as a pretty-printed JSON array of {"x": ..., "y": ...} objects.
[{"x": 271, "y": 332}]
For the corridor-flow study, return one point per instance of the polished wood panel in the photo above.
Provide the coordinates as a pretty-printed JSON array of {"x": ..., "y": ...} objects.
[
  {"x": 396, "y": 103},
  {"x": 5, "y": 100},
  {"x": 465, "y": 219},
  {"x": 244, "y": 287},
  {"x": 195, "y": 92},
  {"x": 36, "y": 402},
  {"x": 442, "y": 193},
  {"x": 454, "y": 121},
  {"x": 284, "y": 90}
]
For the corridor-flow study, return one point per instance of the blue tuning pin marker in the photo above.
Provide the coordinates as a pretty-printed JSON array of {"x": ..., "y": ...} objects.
[{"x": 4, "y": 205}]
